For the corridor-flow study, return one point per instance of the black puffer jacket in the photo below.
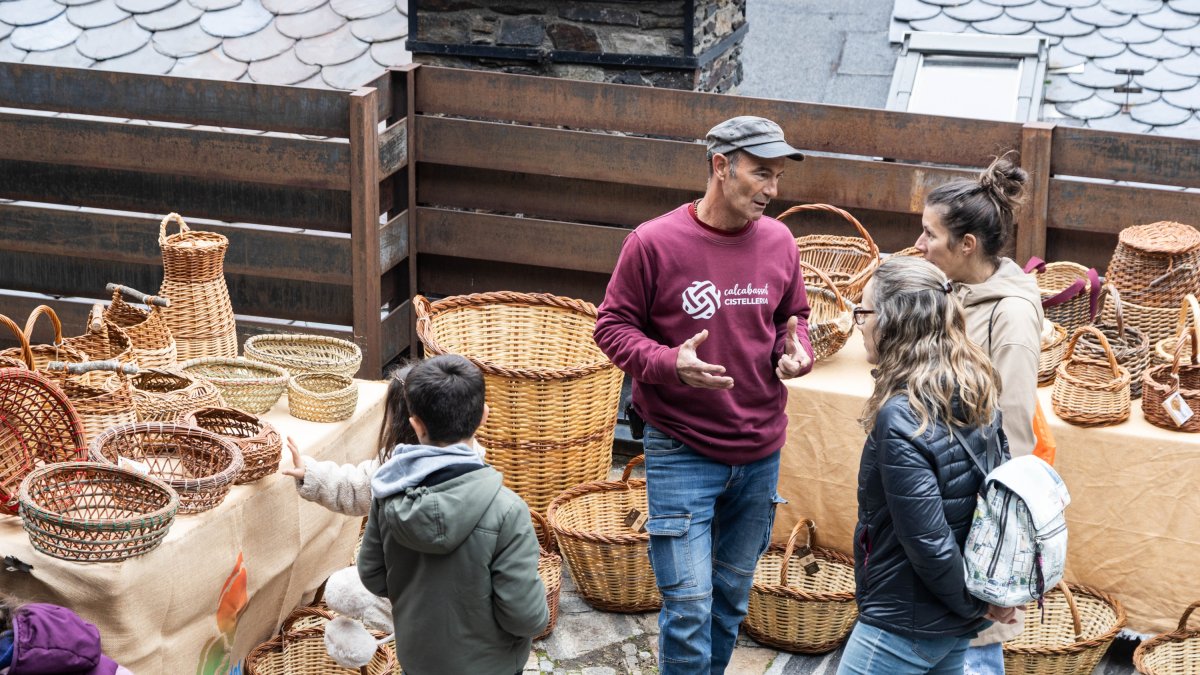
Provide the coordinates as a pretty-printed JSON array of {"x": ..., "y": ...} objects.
[{"x": 916, "y": 499}]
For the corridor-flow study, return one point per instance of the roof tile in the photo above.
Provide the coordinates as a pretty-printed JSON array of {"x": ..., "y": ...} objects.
[
  {"x": 1121, "y": 123},
  {"x": 387, "y": 26},
  {"x": 186, "y": 41},
  {"x": 1126, "y": 60},
  {"x": 1185, "y": 6},
  {"x": 213, "y": 5},
  {"x": 70, "y": 3},
  {"x": 1188, "y": 37},
  {"x": 1161, "y": 49},
  {"x": 96, "y": 15},
  {"x": 264, "y": 44},
  {"x": 211, "y": 65},
  {"x": 1146, "y": 96},
  {"x": 939, "y": 24},
  {"x": 1160, "y": 113},
  {"x": 1073, "y": 3},
  {"x": 1184, "y": 98},
  {"x": 1010, "y": 3},
  {"x": 282, "y": 69},
  {"x": 43, "y": 37},
  {"x": 29, "y": 12},
  {"x": 1132, "y": 33},
  {"x": 310, "y": 24},
  {"x": 248, "y": 17},
  {"x": 391, "y": 54},
  {"x": 1038, "y": 11},
  {"x": 976, "y": 10},
  {"x": 1068, "y": 26},
  {"x": 1062, "y": 90},
  {"x": 314, "y": 82},
  {"x": 1099, "y": 15},
  {"x": 176, "y": 16},
  {"x": 1061, "y": 58},
  {"x": 67, "y": 57},
  {"x": 1097, "y": 78},
  {"x": 352, "y": 74},
  {"x": 361, "y": 9},
  {"x": 301, "y": 6},
  {"x": 5, "y": 30},
  {"x": 1164, "y": 80},
  {"x": 11, "y": 53},
  {"x": 912, "y": 10},
  {"x": 331, "y": 49},
  {"x": 1168, "y": 19},
  {"x": 1090, "y": 108},
  {"x": 947, "y": 3},
  {"x": 1185, "y": 65},
  {"x": 1189, "y": 129},
  {"x": 146, "y": 60},
  {"x": 119, "y": 39},
  {"x": 1003, "y": 25},
  {"x": 1092, "y": 45},
  {"x": 1133, "y": 6},
  {"x": 144, "y": 6}
]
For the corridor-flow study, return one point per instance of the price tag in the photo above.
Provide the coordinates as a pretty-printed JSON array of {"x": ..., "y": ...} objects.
[
  {"x": 1177, "y": 408},
  {"x": 808, "y": 560},
  {"x": 635, "y": 520},
  {"x": 133, "y": 465}
]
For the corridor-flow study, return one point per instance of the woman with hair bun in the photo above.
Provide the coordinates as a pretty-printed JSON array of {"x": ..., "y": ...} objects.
[{"x": 966, "y": 226}]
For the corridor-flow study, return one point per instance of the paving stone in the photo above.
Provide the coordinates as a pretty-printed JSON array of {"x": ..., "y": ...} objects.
[
  {"x": 1003, "y": 25},
  {"x": 211, "y": 65},
  {"x": 1147, "y": 96},
  {"x": 310, "y": 24},
  {"x": 145, "y": 6},
  {"x": 211, "y": 5},
  {"x": 1010, "y": 3},
  {"x": 189, "y": 40},
  {"x": 119, "y": 39},
  {"x": 1126, "y": 60},
  {"x": 1188, "y": 37},
  {"x": 353, "y": 74},
  {"x": 1186, "y": 65},
  {"x": 913, "y": 10},
  {"x": 1161, "y": 49},
  {"x": 605, "y": 670},
  {"x": 1092, "y": 45},
  {"x": 1099, "y": 15},
  {"x": 1062, "y": 90},
  {"x": 284, "y": 69},
  {"x": 1096, "y": 77},
  {"x": 387, "y": 26},
  {"x": 11, "y": 53},
  {"x": 1185, "y": 6},
  {"x": 1038, "y": 11},
  {"x": 1068, "y": 26},
  {"x": 29, "y": 12},
  {"x": 264, "y": 44},
  {"x": 939, "y": 24},
  {"x": 1071, "y": 4},
  {"x": 1133, "y": 6},
  {"x": 578, "y": 634},
  {"x": 175, "y": 16},
  {"x": 97, "y": 15},
  {"x": 146, "y": 60},
  {"x": 1184, "y": 98},
  {"x": 292, "y": 6},
  {"x": 361, "y": 9},
  {"x": 43, "y": 37},
  {"x": 976, "y": 10},
  {"x": 247, "y": 18},
  {"x": 1061, "y": 58},
  {"x": 391, "y": 54},
  {"x": 1132, "y": 32},
  {"x": 1160, "y": 113},
  {"x": 67, "y": 57},
  {"x": 330, "y": 49},
  {"x": 1162, "y": 79}
]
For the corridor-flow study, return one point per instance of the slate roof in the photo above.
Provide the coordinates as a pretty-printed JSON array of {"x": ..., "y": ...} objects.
[
  {"x": 1095, "y": 38},
  {"x": 337, "y": 44}
]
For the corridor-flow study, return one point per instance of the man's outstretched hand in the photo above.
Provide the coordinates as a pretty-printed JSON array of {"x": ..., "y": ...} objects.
[
  {"x": 794, "y": 358},
  {"x": 696, "y": 373}
]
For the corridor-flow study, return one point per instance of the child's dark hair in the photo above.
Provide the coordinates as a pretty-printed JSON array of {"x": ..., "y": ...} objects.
[
  {"x": 396, "y": 429},
  {"x": 983, "y": 207},
  {"x": 8, "y": 606},
  {"x": 446, "y": 394}
]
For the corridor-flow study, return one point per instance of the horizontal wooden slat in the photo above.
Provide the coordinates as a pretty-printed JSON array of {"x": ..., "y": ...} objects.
[
  {"x": 544, "y": 243},
  {"x": 1090, "y": 250},
  {"x": 230, "y": 201},
  {"x": 190, "y": 152},
  {"x": 1098, "y": 207},
  {"x": 396, "y": 332},
  {"x": 239, "y": 105},
  {"x": 441, "y": 275},
  {"x": 1133, "y": 157},
  {"x": 393, "y": 149},
  {"x": 393, "y": 242},
  {"x": 256, "y": 251},
  {"x": 689, "y": 115}
]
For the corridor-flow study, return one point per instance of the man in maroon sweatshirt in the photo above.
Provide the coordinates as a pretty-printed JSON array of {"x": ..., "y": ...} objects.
[{"x": 706, "y": 311}]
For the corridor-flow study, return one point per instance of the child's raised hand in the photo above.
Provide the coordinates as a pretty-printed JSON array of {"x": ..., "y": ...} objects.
[{"x": 297, "y": 461}]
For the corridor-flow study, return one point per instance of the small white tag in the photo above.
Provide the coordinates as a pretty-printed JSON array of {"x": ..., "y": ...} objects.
[
  {"x": 133, "y": 465},
  {"x": 844, "y": 323},
  {"x": 1177, "y": 408}
]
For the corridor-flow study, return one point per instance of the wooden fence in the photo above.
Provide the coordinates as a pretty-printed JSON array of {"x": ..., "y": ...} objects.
[{"x": 445, "y": 181}]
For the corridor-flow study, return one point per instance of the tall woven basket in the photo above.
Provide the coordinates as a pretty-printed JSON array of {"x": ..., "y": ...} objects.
[
  {"x": 153, "y": 344},
  {"x": 1156, "y": 265},
  {"x": 552, "y": 393},
  {"x": 1080, "y": 624},
  {"x": 1129, "y": 345},
  {"x": 549, "y": 569},
  {"x": 830, "y": 321},
  {"x": 200, "y": 315},
  {"x": 1089, "y": 392},
  {"x": 1162, "y": 382},
  {"x": 1173, "y": 653},
  {"x": 849, "y": 261},
  {"x": 810, "y": 611},
  {"x": 610, "y": 562}
]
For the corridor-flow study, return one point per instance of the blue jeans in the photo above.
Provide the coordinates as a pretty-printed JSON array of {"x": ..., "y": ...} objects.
[
  {"x": 872, "y": 650},
  {"x": 985, "y": 660},
  {"x": 709, "y": 523}
]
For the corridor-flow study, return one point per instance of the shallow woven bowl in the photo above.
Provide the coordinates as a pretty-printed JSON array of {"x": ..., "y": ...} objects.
[
  {"x": 322, "y": 397},
  {"x": 260, "y": 443},
  {"x": 250, "y": 386},
  {"x": 305, "y": 353}
]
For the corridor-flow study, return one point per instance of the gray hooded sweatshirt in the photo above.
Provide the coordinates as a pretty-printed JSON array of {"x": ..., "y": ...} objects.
[{"x": 455, "y": 552}]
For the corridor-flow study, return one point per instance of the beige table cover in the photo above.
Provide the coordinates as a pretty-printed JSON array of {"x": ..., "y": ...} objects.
[
  {"x": 1134, "y": 518},
  {"x": 157, "y": 612}
]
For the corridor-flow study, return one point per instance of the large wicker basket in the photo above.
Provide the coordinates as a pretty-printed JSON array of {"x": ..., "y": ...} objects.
[
  {"x": 199, "y": 464},
  {"x": 1162, "y": 381},
  {"x": 168, "y": 395},
  {"x": 798, "y": 611},
  {"x": 1129, "y": 345},
  {"x": 299, "y": 649},
  {"x": 849, "y": 261},
  {"x": 305, "y": 353},
  {"x": 1156, "y": 265},
  {"x": 610, "y": 563},
  {"x": 1173, "y": 653},
  {"x": 1088, "y": 392},
  {"x": 200, "y": 315},
  {"x": 1080, "y": 623},
  {"x": 103, "y": 339},
  {"x": 260, "y": 443},
  {"x": 549, "y": 569},
  {"x": 552, "y": 393},
  {"x": 322, "y": 397},
  {"x": 830, "y": 321},
  {"x": 90, "y": 512},
  {"x": 101, "y": 403},
  {"x": 1054, "y": 345},
  {"x": 250, "y": 386},
  {"x": 153, "y": 344},
  {"x": 1070, "y": 292},
  {"x": 1164, "y": 349}
]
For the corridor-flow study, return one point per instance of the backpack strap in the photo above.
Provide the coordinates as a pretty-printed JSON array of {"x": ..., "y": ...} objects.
[{"x": 982, "y": 465}]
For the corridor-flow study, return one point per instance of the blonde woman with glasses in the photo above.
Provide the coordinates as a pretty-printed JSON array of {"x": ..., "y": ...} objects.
[{"x": 916, "y": 483}]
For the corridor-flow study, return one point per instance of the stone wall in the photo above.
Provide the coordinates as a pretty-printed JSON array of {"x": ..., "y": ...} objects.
[{"x": 564, "y": 39}]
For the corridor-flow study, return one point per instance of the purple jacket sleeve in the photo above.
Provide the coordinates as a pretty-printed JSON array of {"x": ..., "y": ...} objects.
[
  {"x": 623, "y": 317},
  {"x": 794, "y": 303}
]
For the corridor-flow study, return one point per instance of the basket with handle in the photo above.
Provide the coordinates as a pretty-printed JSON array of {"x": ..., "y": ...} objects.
[
  {"x": 829, "y": 320},
  {"x": 610, "y": 563},
  {"x": 200, "y": 315},
  {"x": 849, "y": 261},
  {"x": 91, "y": 512},
  {"x": 1129, "y": 345},
  {"x": 1079, "y": 625},
  {"x": 103, "y": 340},
  {"x": 60, "y": 350},
  {"x": 1070, "y": 292},
  {"x": 1164, "y": 349},
  {"x": 1173, "y": 653},
  {"x": 1054, "y": 345},
  {"x": 161, "y": 395},
  {"x": 299, "y": 649},
  {"x": 199, "y": 464},
  {"x": 322, "y": 397},
  {"x": 298, "y": 353},
  {"x": 20, "y": 356},
  {"x": 244, "y": 384},
  {"x": 811, "y": 610},
  {"x": 1156, "y": 265},
  {"x": 549, "y": 568},
  {"x": 153, "y": 344},
  {"x": 101, "y": 403},
  {"x": 1090, "y": 392},
  {"x": 260, "y": 443},
  {"x": 552, "y": 393},
  {"x": 1163, "y": 381}
]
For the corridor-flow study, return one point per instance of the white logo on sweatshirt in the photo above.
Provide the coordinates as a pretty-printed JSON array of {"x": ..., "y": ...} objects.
[{"x": 701, "y": 300}]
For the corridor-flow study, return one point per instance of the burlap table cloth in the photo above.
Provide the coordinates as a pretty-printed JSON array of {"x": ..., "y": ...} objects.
[
  {"x": 1134, "y": 518},
  {"x": 157, "y": 613}
]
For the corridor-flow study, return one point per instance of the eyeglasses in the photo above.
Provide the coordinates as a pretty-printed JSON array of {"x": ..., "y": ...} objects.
[{"x": 860, "y": 315}]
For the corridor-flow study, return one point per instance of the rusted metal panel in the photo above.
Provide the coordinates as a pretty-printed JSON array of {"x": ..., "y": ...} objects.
[
  {"x": 689, "y": 115},
  {"x": 1105, "y": 208},
  {"x": 189, "y": 152},
  {"x": 364, "y": 227},
  {"x": 1093, "y": 249},
  {"x": 1133, "y": 157},
  {"x": 393, "y": 242},
  {"x": 393, "y": 149},
  {"x": 1031, "y": 221},
  {"x": 455, "y": 276},
  {"x": 396, "y": 331},
  {"x": 238, "y": 105}
]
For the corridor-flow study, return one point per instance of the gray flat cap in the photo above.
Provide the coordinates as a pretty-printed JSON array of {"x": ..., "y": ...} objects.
[{"x": 756, "y": 135}]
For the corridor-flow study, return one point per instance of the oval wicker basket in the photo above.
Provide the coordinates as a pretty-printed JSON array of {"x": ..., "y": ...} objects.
[
  {"x": 1070, "y": 292},
  {"x": 849, "y": 261},
  {"x": 1080, "y": 624},
  {"x": 305, "y": 353},
  {"x": 153, "y": 344},
  {"x": 552, "y": 393},
  {"x": 1054, "y": 345},
  {"x": 60, "y": 350},
  {"x": 1156, "y": 265},
  {"x": 1162, "y": 381},
  {"x": 610, "y": 563},
  {"x": 101, "y": 402},
  {"x": 199, "y": 464},
  {"x": 90, "y": 512},
  {"x": 1173, "y": 653},
  {"x": 829, "y": 320},
  {"x": 167, "y": 395},
  {"x": 549, "y": 569},
  {"x": 260, "y": 443},
  {"x": 798, "y": 611},
  {"x": 299, "y": 649},
  {"x": 322, "y": 397},
  {"x": 250, "y": 386},
  {"x": 1129, "y": 345},
  {"x": 1089, "y": 392}
]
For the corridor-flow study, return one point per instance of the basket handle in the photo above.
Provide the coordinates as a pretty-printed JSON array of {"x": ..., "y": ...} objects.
[
  {"x": 633, "y": 463},
  {"x": 111, "y": 365},
  {"x": 26, "y": 352},
  {"x": 118, "y": 289},
  {"x": 845, "y": 214},
  {"x": 1111, "y": 291},
  {"x": 1075, "y": 621},
  {"x": 544, "y": 533},
  {"x": 1034, "y": 263},
  {"x": 300, "y": 613},
  {"x": 1187, "y": 613},
  {"x": 32, "y": 320},
  {"x": 828, "y": 283},
  {"x": 1112, "y": 359},
  {"x": 810, "y": 529},
  {"x": 1189, "y": 304},
  {"x": 95, "y": 321},
  {"x": 162, "y": 227},
  {"x": 1094, "y": 293}
]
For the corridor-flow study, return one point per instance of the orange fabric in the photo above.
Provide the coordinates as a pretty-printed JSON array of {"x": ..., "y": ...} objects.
[{"x": 1045, "y": 446}]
